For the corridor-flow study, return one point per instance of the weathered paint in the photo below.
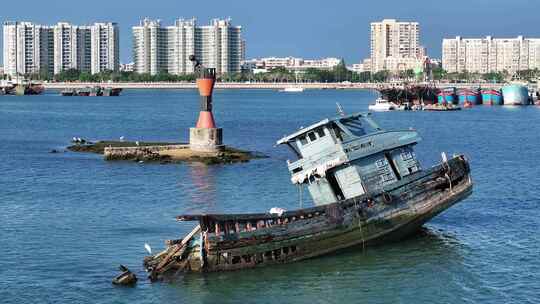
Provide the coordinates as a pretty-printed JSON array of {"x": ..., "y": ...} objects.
[
  {"x": 392, "y": 212},
  {"x": 366, "y": 183}
]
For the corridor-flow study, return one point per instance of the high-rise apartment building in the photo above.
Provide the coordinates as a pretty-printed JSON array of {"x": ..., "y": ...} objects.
[
  {"x": 30, "y": 48},
  {"x": 104, "y": 47},
  {"x": 71, "y": 47},
  {"x": 149, "y": 47},
  {"x": 181, "y": 42},
  {"x": 395, "y": 45},
  {"x": 485, "y": 55},
  {"x": 167, "y": 49},
  {"x": 27, "y": 48}
]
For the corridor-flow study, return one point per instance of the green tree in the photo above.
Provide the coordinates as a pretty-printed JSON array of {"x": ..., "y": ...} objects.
[
  {"x": 67, "y": 75},
  {"x": 341, "y": 73},
  {"x": 439, "y": 73},
  {"x": 381, "y": 76}
]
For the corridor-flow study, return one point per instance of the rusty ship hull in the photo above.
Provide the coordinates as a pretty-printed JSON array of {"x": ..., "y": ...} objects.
[{"x": 232, "y": 242}]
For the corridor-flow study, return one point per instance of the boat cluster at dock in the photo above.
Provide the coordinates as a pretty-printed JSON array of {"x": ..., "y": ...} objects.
[
  {"x": 20, "y": 87},
  {"x": 92, "y": 91},
  {"x": 451, "y": 98}
]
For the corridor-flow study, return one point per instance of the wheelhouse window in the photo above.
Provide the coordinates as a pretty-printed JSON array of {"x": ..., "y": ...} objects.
[
  {"x": 303, "y": 140},
  {"x": 338, "y": 132},
  {"x": 312, "y": 136},
  {"x": 381, "y": 163},
  {"x": 406, "y": 155},
  {"x": 320, "y": 132}
]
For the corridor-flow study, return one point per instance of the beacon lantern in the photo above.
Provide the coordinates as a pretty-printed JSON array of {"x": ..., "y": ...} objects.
[{"x": 205, "y": 137}]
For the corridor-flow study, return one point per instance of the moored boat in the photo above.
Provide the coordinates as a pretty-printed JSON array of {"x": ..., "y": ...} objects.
[
  {"x": 293, "y": 89},
  {"x": 366, "y": 183},
  {"x": 94, "y": 91},
  {"x": 382, "y": 105},
  {"x": 469, "y": 97},
  {"x": 447, "y": 96},
  {"x": 441, "y": 107},
  {"x": 415, "y": 94},
  {"x": 515, "y": 95},
  {"x": 111, "y": 91},
  {"x": 492, "y": 97}
]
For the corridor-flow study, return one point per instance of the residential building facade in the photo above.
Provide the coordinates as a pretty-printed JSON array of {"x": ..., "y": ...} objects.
[
  {"x": 395, "y": 45},
  {"x": 127, "y": 67},
  {"x": 27, "y": 48},
  {"x": 104, "y": 47},
  {"x": 167, "y": 49},
  {"x": 292, "y": 64},
  {"x": 485, "y": 55},
  {"x": 32, "y": 49}
]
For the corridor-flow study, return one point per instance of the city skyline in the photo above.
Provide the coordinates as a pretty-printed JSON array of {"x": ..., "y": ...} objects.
[{"x": 313, "y": 29}]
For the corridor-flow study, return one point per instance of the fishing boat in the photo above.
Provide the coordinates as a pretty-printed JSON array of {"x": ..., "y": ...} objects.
[
  {"x": 382, "y": 105},
  {"x": 293, "y": 89},
  {"x": 447, "y": 96},
  {"x": 492, "y": 97},
  {"x": 95, "y": 91},
  {"x": 367, "y": 187},
  {"x": 92, "y": 91},
  {"x": 411, "y": 94},
  {"x": 111, "y": 91},
  {"x": 21, "y": 87},
  {"x": 29, "y": 88},
  {"x": 68, "y": 92},
  {"x": 468, "y": 97},
  {"x": 515, "y": 95}
]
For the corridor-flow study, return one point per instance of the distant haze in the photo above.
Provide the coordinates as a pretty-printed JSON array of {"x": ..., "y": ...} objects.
[{"x": 298, "y": 28}]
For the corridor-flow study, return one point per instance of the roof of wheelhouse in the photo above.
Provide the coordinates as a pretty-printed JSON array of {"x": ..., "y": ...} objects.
[{"x": 323, "y": 122}]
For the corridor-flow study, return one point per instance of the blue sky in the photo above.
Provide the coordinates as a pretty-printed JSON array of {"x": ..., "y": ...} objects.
[{"x": 337, "y": 28}]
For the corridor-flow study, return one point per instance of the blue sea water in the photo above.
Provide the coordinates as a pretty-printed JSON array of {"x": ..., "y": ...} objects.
[{"x": 68, "y": 220}]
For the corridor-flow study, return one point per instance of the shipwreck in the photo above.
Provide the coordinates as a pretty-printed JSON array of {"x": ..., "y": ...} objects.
[{"x": 367, "y": 187}]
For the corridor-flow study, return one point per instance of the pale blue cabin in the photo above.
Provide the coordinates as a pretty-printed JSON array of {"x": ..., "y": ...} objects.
[{"x": 348, "y": 156}]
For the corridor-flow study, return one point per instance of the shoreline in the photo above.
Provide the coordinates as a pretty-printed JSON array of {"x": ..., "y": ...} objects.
[{"x": 252, "y": 85}]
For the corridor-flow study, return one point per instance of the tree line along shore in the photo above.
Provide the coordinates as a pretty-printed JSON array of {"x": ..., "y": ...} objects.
[{"x": 340, "y": 73}]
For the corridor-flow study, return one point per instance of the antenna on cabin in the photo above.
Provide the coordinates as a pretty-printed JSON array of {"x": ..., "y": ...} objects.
[{"x": 340, "y": 109}]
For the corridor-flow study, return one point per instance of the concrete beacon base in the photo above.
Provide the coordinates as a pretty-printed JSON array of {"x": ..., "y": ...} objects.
[{"x": 206, "y": 140}]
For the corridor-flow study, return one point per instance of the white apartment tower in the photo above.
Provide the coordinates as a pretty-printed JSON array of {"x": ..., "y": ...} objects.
[
  {"x": 485, "y": 55},
  {"x": 167, "y": 49},
  {"x": 104, "y": 47},
  {"x": 393, "y": 41},
  {"x": 27, "y": 48},
  {"x": 52, "y": 49},
  {"x": 71, "y": 47},
  {"x": 149, "y": 47},
  {"x": 181, "y": 45}
]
